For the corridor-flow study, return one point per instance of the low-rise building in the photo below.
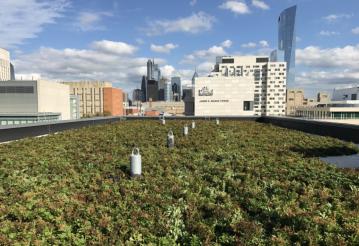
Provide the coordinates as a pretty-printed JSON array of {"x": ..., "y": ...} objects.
[
  {"x": 93, "y": 95},
  {"x": 350, "y": 93},
  {"x": 168, "y": 108},
  {"x": 295, "y": 98},
  {"x": 323, "y": 97},
  {"x": 31, "y": 101},
  {"x": 113, "y": 101},
  {"x": 338, "y": 110}
]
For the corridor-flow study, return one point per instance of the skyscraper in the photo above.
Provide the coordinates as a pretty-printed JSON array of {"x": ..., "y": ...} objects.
[
  {"x": 287, "y": 41},
  {"x": 153, "y": 71},
  {"x": 156, "y": 73},
  {"x": 149, "y": 69},
  {"x": 144, "y": 89},
  {"x": 176, "y": 88},
  {"x": 136, "y": 95},
  {"x": 152, "y": 90}
]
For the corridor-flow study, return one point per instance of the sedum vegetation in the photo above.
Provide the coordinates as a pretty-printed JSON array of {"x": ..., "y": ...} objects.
[{"x": 239, "y": 183}]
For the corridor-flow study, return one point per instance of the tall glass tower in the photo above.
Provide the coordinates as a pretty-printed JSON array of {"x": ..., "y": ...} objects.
[{"x": 287, "y": 40}]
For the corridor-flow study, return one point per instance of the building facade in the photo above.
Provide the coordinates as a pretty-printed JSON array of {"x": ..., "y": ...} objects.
[
  {"x": 295, "y": 98},
  {"x": 91, "y": 95},
  {"x": 168, "y": 91},
  {"x": 152, "y": 90},
  {"x": 144, "y": 89},
  {"x": 176, "y": 88},
  {"x": 287, "y": 41},
  {"x": 153, "y": 71},
  {"x": 113, "y": 101},
  {"x": 167, "y": 108},
  {"x": 323, "y": 98},
  {"x": 242, "y": 85},
  {"x": 5, "y": 68},
  {"x": 31, "y": 101},
  {"x": 347, "y": 110},
  {"x": 351, "y": 93},
  {"x": 136, "y": 95}
]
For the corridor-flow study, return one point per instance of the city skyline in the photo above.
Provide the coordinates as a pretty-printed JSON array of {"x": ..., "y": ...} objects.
[{"x": 113, "y": 40}]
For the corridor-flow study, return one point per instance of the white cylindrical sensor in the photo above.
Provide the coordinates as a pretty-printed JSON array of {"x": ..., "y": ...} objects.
[
  {"x": 193, "y": 124},
  {"x": 136, "y": 163},
  {"x": 170, "y": 139},
  {"x": 185, "y": 130}
]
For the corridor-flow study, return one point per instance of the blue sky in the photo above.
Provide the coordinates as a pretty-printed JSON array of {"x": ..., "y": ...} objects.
[{"x": 112, "y": 39}]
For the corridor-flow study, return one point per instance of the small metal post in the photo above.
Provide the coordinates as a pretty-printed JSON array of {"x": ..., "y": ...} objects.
[
  {"x": 170, "y": 140},
  {"x": 193, "y": 124},
  {"x": 136, "y": 163}
]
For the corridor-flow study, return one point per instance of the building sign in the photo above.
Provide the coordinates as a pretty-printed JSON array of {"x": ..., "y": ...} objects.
[
  {"x": 205, "y": 92},
  {"x": 214, "y": 101}
]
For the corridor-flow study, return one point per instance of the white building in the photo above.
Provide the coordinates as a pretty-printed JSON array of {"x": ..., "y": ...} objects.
[
  {"x": 345, "y": 94},
  {"x": 242, "y": 86},
  {"x": 30, "y": 101},
  {"x": 5, "y": 72}
]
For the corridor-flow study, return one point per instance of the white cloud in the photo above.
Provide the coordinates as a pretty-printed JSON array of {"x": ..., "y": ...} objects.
[
  {"x": 355, "y": 30},
  {"x": 111, "y": 47},
  {"x": 328, "y": 33},
  {"x": 193, "y": 2},
  {"x": 24, "y": 19},
  {"x": 264, "y": 44},
  {"x": 249, "y": 45},
  {"x": 196, "y": 23},
  {"x": 91, "y": 21},
  {"x": 167, "y": 71},
  {"x": 260, "y": 4},
  {"x": 237, "y": 7},
  {"x": 261, "y": 44},
  {"x": 346, "y": 57},
  {"x": 204, "y": 60},
  {"x": 227, "y": 43},
  {"x": 328, "y": 78},
  {"x": 166, "y": 48},
  {"x": 335, "y": 17},
  {"x": 103, "y": 60},
  {"x": 328, "y": 67},
  {"x": 208, "y": 55}
]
